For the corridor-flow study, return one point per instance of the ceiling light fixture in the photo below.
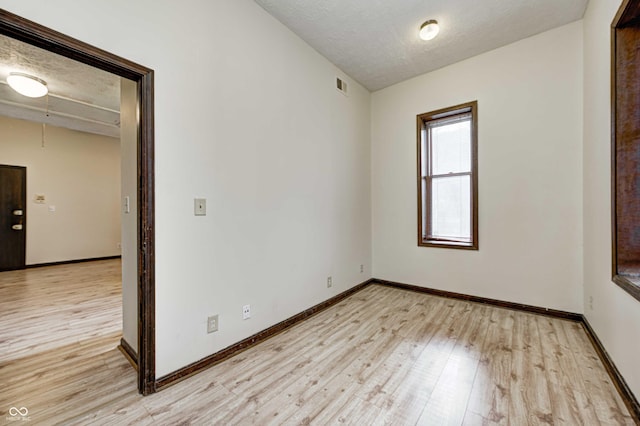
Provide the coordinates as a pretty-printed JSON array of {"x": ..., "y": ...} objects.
[
  {"x": 27, "y": 85},
  {"x": 429, "y": 30}
]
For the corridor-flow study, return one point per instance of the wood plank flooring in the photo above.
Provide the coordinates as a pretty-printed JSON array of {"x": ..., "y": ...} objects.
[
  {"x": 381, "y": 356},
  {"x": 49, "y": 307}
]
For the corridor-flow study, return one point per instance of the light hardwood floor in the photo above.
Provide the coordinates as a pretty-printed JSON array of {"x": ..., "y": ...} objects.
[
  {"x": 381, "y": 356},
  {"x": 49, "y": 307}
]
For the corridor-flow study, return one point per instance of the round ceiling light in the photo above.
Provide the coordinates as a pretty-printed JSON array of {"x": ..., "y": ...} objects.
[
  {"x": 27, "y": 85},
  {"x": 429, "y": 30}
]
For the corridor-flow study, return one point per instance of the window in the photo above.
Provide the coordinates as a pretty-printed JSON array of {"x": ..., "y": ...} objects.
[
  {"x": 448, "y": 177},
  {"x": 626, "y": 148}
]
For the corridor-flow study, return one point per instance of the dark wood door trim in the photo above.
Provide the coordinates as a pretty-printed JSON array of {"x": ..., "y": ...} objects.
[
  {"x": 625, "y": 67},
  {"x": 35, "y": 34}
]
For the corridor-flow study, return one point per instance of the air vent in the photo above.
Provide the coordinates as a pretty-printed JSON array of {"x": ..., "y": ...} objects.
[{"x": 341, "y": 86}]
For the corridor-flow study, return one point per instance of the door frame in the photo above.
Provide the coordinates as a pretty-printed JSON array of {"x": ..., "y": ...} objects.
[{"x": 16, "y": 27}]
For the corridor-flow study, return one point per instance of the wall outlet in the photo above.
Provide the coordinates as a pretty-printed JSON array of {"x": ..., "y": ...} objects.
[
  {"x": 591, "y": 302},
  {"x": 212, "y": 323},
  {"x": 361, "y": 268},
  {"x": 246, "y": 312},
  {"x": 329, "y": 282}
]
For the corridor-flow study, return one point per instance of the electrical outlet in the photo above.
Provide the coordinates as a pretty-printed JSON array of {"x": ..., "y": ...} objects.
[
  {"x": 591, "y": 302},
  {"x": 361, "y": 268},
  {"x": 329, "y": 282},
  {"x": 212, "y": 323},
  {"x": 246, "y": 312}
]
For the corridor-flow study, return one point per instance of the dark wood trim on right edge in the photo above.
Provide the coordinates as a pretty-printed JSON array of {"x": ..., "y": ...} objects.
[
  {"x": 624, "y": 30},
  {"x": 45, "y": 38},
  {"x": 625, "y": 392},
  {"x": 253, "y": 340},
  {"x": 477, "y": 299}
]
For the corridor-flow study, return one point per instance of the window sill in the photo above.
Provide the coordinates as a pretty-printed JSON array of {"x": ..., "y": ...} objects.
[
  {"x": 448, "y": 244},
  {"x": 629, "y": 284}
]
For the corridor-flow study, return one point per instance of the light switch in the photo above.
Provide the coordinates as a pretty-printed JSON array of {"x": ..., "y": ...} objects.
[{"x": 200, "y": 207}]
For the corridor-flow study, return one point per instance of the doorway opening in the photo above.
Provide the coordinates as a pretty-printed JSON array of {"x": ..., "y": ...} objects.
[{"x": 37, "y": 35}]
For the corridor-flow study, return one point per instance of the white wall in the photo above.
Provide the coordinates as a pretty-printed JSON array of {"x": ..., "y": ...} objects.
[
  {"x": 247, "y": 116},
  {"x": 530, "y": 169},
  {"x": 79, "y": 175},
  {"x": 129, "y": 188},
  {"x": 615, "y": 315},
  {"x": 283, "y": 160}
]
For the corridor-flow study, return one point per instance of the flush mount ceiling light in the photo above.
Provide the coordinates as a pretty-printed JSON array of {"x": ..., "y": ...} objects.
[
  {"x": 27, "y": 85},
  {"x": 429, "y": 30}
]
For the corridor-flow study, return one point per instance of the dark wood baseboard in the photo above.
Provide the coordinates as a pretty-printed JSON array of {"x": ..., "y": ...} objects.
[
  {"x": 68, "y": 262},
  {"x": 129, "y": 353},
  {"x": 253, "y": 340},
  {"x": 625, "y": 392},
  {"x": 494, "y": 302}
]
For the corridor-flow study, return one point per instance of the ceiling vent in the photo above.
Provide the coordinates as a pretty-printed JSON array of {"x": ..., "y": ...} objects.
[{"x": 341, "y": 86}]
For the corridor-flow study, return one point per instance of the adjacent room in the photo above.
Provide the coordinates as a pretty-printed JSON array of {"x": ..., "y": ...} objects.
[{"x": 340, "y": 212}]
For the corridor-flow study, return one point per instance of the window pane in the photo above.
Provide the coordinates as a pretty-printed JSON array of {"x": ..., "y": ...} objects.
[
  {"x": 451, "y": 147},
  {"x": 423, "y": 148},
  {"x": 451, "y": 208}
]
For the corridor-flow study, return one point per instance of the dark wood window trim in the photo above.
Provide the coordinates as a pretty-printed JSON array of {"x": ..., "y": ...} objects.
[
  {"x": 37, "y": 35},
  {"x": 424, "y": 240},
  {"x": 625, "y": 147}
]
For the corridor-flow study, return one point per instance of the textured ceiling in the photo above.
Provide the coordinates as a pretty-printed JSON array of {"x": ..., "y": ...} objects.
[
  {"x": 80, "y": 97},
  {"x": 376, "y": 41}
]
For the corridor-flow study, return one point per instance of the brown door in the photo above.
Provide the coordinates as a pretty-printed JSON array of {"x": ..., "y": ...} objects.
[{"x": 13, "y": 217}]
